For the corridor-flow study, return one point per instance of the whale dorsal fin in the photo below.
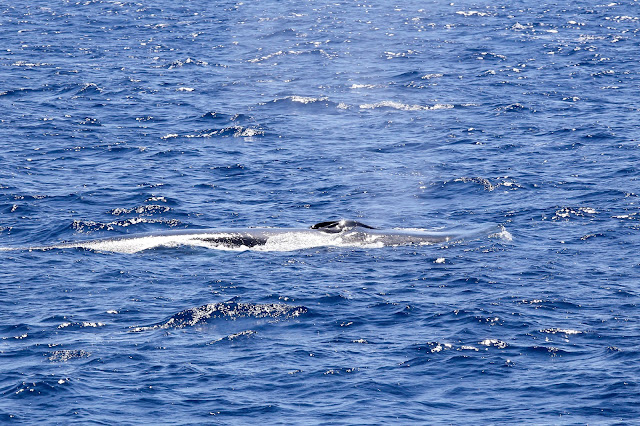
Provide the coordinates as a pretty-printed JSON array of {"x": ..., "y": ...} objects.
[{"x": 339, "y": 225}]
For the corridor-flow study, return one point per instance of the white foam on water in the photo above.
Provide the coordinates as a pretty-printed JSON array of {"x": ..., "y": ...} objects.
[
  {"x": 502, "y": 235},
  {"x": 137, "y": 244},
  {"x": 566, "y": 331},
  {"x": 290, "y": 241},
  {"x": 405, "y": 107}
]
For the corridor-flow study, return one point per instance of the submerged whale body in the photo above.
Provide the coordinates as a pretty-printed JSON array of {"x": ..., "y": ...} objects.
[
  {"x": 346, "y": 233},
  {"x": 253, "y": 237}
]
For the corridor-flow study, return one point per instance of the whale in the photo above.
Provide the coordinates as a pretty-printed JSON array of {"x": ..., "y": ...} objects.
[{"x": 336, "y": 233}]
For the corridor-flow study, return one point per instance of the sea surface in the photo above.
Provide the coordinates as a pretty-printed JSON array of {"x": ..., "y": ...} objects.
[{"x": 127, "y": 117}]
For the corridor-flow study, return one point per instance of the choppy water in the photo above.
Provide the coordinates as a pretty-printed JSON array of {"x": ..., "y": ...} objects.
[{"x": 123, "y": 117}]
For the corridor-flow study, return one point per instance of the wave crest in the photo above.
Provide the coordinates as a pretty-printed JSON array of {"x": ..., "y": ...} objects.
[
  {"x": 405, "y": 107},
  {"x": 228, "y": 310}
]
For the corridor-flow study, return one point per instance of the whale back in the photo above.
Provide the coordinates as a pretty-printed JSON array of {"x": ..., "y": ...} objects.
[{"x": 339, "y": 226}]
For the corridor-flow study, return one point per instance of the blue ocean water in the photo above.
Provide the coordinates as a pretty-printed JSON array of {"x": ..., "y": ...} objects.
[{"x": 125, "y": 117}]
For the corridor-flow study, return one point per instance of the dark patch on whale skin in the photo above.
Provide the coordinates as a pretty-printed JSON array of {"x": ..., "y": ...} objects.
[
  {"x": 336, "y": 226},
  {"x": 237, "y": 240}
]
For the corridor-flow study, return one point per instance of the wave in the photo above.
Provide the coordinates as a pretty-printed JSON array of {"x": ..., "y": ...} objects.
[
  {"x": 148, "y": 209},
  {"x": 87, "y": 226},
  {"x": 31, "y": 64},
  {"x": 275, "y": 55},
  {"x": 187, "y": 62},
  {"x": 285, "y": 53},
  {"x": 367, "y": 86},
  {"x": 568, "y": 213},
  {"x": 405, "y": 107},
  {"x": 235, "y": 336},
  {"x": 295, "y": 102},
  {"x": 89, "y": 91},
  {"x": 502, "y": 181},
  {"x": 65, "y": 355},
  {"x": 216, "y": 124},
  {"x": 84, "y": 324},
  {"x": 234, "y": 131},
  {"x": 219, "y": 117},
  {"x": 471, "y": 185},
  {"x": 324, "y": 104},
  {"x": 21, "y": 91},
  {"x": 436, "y": 347},
  {"x": 513, "y": 108},
  {"x": 467, "y": 13},
  {"x": 225, "y": 310},
  {"x": 40, "y": 385},
  {"x": 403, "y": 54}
]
